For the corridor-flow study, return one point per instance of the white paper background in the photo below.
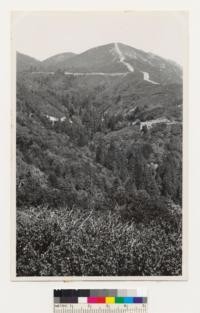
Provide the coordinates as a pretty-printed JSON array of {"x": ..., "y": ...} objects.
[{"x": 164, "y": 297}]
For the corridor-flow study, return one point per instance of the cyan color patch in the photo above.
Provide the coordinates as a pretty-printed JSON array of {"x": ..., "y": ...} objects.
[{"x": 128, "y": 299}]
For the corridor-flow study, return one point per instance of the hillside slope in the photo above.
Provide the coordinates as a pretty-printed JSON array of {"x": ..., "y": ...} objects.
[
  {"x": 26, "y": 63},
  {"x": 86, "y": 136},
  {"x": 57, "y": 62}
]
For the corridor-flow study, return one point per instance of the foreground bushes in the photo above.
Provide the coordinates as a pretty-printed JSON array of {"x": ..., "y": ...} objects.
[{"x": 67, "y": 243}]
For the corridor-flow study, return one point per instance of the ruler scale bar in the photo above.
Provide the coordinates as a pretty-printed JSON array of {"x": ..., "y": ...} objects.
[{"x": 136, "y": 308}]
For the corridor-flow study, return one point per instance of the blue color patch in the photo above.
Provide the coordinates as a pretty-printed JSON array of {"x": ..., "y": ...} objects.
[{"x": 138, "y": 300}]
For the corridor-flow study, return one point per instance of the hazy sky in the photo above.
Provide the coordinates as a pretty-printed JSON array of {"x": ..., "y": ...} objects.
[{"x": 43, "y": 34}]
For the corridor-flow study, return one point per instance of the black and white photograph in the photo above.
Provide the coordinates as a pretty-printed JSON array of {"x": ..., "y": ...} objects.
[{"x": 98, "y": 149}]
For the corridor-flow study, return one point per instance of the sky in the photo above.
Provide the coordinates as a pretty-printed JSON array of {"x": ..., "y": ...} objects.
[{"x": 44, "y": 34}]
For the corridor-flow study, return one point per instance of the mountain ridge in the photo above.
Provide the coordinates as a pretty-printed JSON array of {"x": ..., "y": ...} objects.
[
  {"x": 112, "y": 43},
  {"x": 110, "y": 58}
]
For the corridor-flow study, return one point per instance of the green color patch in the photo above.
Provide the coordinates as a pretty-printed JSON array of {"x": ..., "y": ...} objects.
[{"x": 119, "y": 300}]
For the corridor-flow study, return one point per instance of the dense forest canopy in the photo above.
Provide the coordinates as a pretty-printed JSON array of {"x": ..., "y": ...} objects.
[{"x": 99, "y": 144}]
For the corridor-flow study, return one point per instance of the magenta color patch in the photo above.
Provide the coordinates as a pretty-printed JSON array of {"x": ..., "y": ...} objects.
[{"x": 92, "y": 300}]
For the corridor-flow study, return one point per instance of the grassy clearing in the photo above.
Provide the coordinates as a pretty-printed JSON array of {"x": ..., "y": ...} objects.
[{"x": 68, "y": 243}]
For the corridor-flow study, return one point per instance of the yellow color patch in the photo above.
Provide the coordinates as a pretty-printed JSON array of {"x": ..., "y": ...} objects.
[{"x": 110, "y": 300}]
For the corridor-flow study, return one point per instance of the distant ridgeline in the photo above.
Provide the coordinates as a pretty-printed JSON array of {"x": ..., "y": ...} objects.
[{"x": 111, "y": 59}]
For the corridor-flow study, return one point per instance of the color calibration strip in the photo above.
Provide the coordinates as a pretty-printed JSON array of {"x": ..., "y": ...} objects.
[{"x": 100, "y": 296}]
